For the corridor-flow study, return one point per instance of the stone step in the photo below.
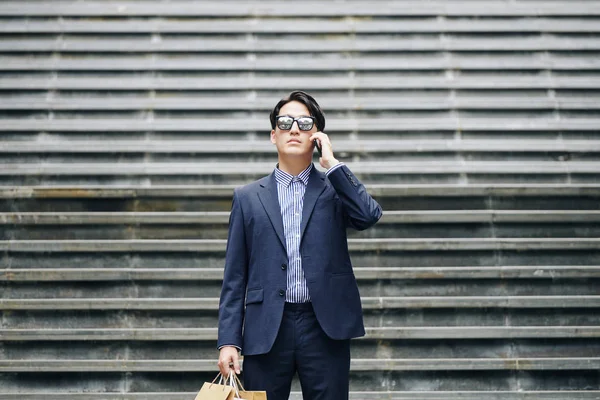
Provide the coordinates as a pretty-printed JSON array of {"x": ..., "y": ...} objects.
[
  {"x": 423, "y": 230},
  {"x": 394, "y": 224},
  {"x": 399, "y": 24},
  {"x": 411, "y": 252},
  {"x": 112, "y": 172},
  {"x": 256, "y": 169},
  {"x": 398, "y": 318},
  {"x": 361, "y": 349},
  {"x": 357, "y": 365},
  {"x": 310, "y": 81},
  {"x": 361, "y": 273},
  {"x": 409, "y": 257},
  {"x": 46, "y": 144},
  {"x": 384, "y": 124},
  {"x": 400, "y": 102},
  {"x": 434, "y": 61},
  {"x": 369, "y": 288},
  {"x": 310, "y": 8},
  {"x": 368, "y": 303},
  {"x": 355, "y": 245},
  {"x": 365, "y": 44},
  {"x": 222, "y": 217},
  {"x": 372, "y": 333},
  {"x": 354, "y": 395},
  {"x": 178, "y": 382},
  {"x": 568, "y": 190}
]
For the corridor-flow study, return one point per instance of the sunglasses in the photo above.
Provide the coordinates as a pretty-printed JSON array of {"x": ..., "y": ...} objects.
[{"x": 285, "y": 122}]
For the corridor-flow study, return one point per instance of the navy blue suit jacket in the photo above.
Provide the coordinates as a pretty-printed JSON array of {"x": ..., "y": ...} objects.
[{"x": 254, "y": 282}]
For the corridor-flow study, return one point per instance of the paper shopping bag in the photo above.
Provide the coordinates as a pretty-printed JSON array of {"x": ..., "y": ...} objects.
[
  {"x": 253, "y": 395},
  {"x": 216, "y": 391},
  {"x": 242, "y": 394}
]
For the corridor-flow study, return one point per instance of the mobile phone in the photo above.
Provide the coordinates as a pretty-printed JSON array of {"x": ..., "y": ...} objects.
[{"x": 318, "y": 146}]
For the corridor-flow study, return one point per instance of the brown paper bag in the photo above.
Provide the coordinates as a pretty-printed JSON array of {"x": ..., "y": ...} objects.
[
  {"x": 216, "y": 391},
  {"x": 244, "y": 394},
  {"x": 254, "y": 395}
]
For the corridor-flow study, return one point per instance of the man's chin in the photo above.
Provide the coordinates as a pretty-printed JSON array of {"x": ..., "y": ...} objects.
[{"x": 296, "y": 152}]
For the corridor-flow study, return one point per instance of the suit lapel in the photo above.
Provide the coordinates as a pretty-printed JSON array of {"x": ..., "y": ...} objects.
[
  {"x": 270, "y": 202},
  {"x": 314, "y": 188}
]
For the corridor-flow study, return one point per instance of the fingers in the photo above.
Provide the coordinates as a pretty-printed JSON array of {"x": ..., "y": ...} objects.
[
  {"x": 236, "y": 363},
  {"x": 324, "y": 142},
  {"x": 228, "y": 359},
  {"x": 327, "y": 159},
  {"x": 321, "y": 137},
  {"x": 223, "y": 367}
]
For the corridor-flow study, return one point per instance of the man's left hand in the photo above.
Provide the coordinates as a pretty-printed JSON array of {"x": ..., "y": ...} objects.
[{"x": 327, "y": 160}]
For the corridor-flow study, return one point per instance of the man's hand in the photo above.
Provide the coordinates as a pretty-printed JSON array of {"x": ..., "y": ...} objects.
[
  {"x": 229, "y": 355},
  {"x": 327, "y": 159}
]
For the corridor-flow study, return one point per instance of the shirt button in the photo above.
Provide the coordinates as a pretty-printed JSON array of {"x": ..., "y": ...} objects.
[
  {"x": 283, "y": 266},
  {"x": 282, "y": 292}
]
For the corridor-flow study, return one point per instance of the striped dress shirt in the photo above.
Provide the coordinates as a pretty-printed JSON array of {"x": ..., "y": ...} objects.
[{"x": 290, "y": 192}]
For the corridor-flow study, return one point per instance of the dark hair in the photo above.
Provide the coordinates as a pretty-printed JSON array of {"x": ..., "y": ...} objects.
[{"x": 308, "y": 101}]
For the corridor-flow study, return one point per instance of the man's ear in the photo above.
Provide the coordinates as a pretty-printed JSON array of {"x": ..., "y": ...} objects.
[{"x": 273, "y": 137}]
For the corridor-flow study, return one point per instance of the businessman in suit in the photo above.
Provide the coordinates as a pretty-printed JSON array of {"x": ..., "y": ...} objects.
[{"x": 289, "y": 301}]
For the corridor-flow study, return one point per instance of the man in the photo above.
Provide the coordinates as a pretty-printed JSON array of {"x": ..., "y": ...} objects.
[{"x": 289, "y": 299}]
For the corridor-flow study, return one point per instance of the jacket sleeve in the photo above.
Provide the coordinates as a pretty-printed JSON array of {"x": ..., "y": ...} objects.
[
  {"x": 233, "y": 291},
  {"x": 361, "y": 210}
]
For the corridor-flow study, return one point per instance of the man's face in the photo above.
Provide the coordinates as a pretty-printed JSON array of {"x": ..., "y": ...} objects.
[{"x": 293, "y": 142}]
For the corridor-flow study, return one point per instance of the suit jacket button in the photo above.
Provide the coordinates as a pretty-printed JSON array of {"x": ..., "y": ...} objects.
[
  {"x": 283, "y": 266},
  {"x": 282, "y": 292}
]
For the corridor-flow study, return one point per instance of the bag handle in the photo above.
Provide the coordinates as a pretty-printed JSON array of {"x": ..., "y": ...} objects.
[
  {"x": 233, "y": 382},
  {"x": 220, "y": 376},
  {"x": 239, "y": 382}
]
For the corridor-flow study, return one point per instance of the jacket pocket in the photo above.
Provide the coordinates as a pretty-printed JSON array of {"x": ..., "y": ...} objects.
[
  {"x": 342, "y": 273},
  {"x": 254, "y": 296}
]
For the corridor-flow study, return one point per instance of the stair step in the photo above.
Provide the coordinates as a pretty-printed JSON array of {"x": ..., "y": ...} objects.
[
  {"x": 372, "y": 333},
  {"x": 259, "y": 169},
  {"x": 91, "y": 125},
  {"x": 357, "y": 365},
  {"x": 251, "y": 147},
  {"x": 310, "y": 8},
  {"x": 424, "y": 224},
  {"x": 397, "y": 103},
  {"x": 415, "y": 288},
  {"x": 383, "y": 81},
  {"x": 576, "y": 62},
  {"x": 226, "y": 191},
  {"x": 222, "y": 217},
  {"x": 398, "y": 318},
  {"x": 355, "y": 245},
  {"x": 274, "y": 25},
  {"x": 361, "y": 273},
  {"x": 368, "y": 303},
  {"x": 372, "y": 43}
]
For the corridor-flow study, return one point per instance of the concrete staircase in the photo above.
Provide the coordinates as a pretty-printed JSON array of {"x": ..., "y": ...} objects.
[{"x": 124, "y": 127}]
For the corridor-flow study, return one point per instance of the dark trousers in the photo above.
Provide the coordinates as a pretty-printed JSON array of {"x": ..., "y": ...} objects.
[{"x": 323, "y": 364}]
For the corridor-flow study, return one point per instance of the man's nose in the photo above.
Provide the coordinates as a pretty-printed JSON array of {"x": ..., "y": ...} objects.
[{"x": 295, "y": 129}]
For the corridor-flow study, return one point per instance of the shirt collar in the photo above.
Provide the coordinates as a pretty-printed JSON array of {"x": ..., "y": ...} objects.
[{"x": 283, "y": 178}]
